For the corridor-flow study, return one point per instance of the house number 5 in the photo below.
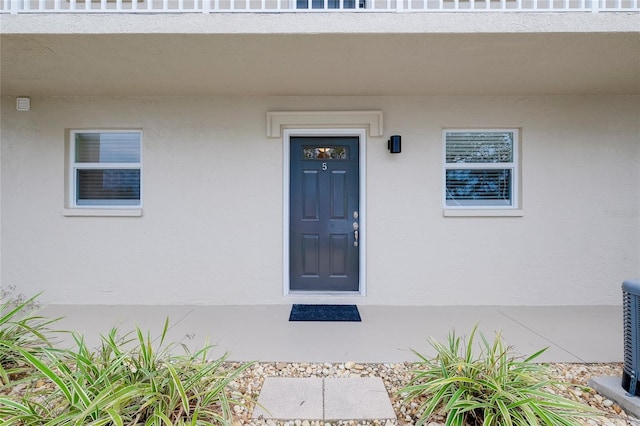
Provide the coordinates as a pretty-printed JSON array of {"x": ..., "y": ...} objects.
[{"x": 324, "y": 166}]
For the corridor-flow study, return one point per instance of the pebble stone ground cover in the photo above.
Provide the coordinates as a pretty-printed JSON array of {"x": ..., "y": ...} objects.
[{"x": 395, "y": 376}]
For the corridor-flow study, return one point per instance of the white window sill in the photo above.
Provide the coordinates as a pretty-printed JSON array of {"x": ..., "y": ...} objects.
[
  {"x": 103, "y": 212},
  {"x": 482, "y": 212}
]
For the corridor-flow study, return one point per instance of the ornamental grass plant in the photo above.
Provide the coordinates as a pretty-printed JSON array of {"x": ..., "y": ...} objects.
[
  {"x": 128, "y": 380},
  {"x": 21, "y": 331},
  {"x": 493, "y": 388}
]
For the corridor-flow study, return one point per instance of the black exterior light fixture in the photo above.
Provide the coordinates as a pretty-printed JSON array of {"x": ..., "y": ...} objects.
[{"x": 393, "y": 145}]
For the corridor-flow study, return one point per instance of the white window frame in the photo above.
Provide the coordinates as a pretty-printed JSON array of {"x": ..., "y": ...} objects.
[
  {"x": 72, "y": 206},
  {"x": 514, "y": 209},
  {"x": 293, "y": 4}
]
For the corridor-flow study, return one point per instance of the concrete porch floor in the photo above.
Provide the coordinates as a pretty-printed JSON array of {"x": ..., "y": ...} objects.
[{"x": 386, "y": 334}]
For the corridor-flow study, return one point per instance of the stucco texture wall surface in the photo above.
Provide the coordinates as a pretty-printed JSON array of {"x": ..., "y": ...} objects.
[{"x": 211, "y": 230}]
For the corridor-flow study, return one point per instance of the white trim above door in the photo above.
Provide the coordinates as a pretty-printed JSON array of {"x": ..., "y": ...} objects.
[
  {"x": 318, "y": 297},
  {"x": 278, "y": 121}
]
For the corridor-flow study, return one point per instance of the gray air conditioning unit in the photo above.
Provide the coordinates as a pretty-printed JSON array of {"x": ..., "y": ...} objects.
[{"x": 631, "y": 313}]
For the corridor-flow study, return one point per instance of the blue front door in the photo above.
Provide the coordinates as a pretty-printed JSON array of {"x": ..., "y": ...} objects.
[{"x": 324, "y": 210}]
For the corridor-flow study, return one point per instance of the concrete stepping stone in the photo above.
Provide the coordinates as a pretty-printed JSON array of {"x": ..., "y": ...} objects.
[
  {"x": 362, "y": 398},
  {"x": 290, "y": 398}
]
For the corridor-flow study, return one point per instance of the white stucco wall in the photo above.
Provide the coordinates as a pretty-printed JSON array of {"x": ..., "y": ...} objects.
[{"x": 211, "y": 229}]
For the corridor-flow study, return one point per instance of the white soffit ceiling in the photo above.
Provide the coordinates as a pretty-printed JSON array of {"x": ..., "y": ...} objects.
[{"x": 320, "y": 64}]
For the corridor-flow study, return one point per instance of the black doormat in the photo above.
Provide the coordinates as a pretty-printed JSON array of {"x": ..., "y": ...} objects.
[{"x": 325, "y": 313}]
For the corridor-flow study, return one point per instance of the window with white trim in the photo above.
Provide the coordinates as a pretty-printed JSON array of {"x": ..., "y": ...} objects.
[
  {"x": 330, "y": 4},
  {"x": 481, "y": 169},
  {"x": 105, "y": 169}
]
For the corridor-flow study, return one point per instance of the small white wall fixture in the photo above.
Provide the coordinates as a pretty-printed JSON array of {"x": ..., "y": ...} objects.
[{"x": 23, "y": 103}]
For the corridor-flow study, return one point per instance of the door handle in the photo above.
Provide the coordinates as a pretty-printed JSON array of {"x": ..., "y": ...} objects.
[{"x": 355, "y": 233}]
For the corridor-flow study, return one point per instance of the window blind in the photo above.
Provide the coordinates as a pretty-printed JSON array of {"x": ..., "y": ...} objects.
[
  {"x": 106, "y": 169},
  {"x": 480, "y": 184},
  {"x": 107, "y": 148},
  {"x": 484, "y": 147},
  {"x": 479, "y": 168},
  {"x": 100, "y": 185}
]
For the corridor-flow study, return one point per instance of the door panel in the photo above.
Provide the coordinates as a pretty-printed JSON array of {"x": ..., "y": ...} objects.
[
  {"x": 324, "y": 207},
  {"x": 339, "y": 255},
  {"x": 338, "y": 194},
  {"x": 310, "y": 195},
  {"x": 310, "y": 256}
]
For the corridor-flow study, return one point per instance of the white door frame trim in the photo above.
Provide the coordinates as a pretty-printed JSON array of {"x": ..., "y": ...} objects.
[
  {"x": 286, "y": 146},
  {"x": 278, "y": 121}
]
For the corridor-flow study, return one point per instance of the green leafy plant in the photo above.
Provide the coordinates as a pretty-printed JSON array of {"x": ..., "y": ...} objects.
[
  {"x": 491, "y": 389},
  {"x": 126, "y": 381},
  {"x": 21, "y": 330}
]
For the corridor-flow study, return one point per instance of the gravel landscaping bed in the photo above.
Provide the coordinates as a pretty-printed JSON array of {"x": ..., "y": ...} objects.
[{"x": 395, "y": 376}]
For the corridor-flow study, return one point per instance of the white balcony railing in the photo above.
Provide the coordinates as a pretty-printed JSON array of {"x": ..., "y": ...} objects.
[{"x": 361, "y": 6}]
